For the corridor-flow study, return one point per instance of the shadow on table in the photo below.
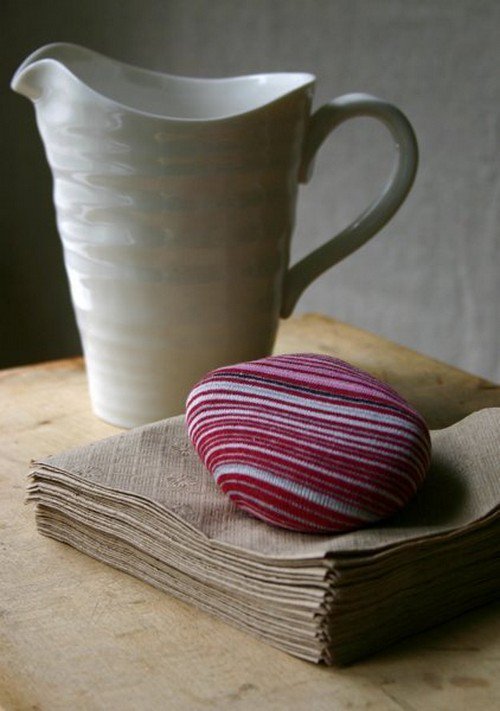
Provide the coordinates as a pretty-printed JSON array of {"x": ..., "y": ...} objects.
[{"x": 474, "y": 631}]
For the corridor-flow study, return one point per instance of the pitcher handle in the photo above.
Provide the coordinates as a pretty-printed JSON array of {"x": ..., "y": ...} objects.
[{"x": 322, "y": 123}]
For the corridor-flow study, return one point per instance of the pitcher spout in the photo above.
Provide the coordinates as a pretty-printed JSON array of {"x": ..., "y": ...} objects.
[
  {"x": 36, "y": 74},
  {"x": 28, "y": 79},
  {"x": 33, "y": 76}
]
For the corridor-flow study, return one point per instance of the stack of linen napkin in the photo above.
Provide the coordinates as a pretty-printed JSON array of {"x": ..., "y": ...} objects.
[{"x": 143, "y": 502}]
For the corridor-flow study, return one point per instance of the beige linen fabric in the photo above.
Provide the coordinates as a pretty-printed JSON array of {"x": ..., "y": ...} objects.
[{"x": 143, "y": 502}]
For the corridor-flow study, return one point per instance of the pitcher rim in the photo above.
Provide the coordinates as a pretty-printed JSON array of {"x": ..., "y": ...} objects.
[{"x": 307, "y": 79}]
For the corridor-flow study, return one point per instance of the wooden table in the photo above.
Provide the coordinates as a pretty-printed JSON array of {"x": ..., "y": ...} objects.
[{"x": 76, "y": 634}]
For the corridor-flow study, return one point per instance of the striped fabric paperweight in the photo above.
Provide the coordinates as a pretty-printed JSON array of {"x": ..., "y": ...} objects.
[{"x": 308, "y": 442}]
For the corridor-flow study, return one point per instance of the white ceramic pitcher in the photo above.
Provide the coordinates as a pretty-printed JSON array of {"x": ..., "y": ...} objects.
[{"x": 175, "y": 202}]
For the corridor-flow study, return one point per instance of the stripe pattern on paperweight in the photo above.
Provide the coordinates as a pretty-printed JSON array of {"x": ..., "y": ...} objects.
[{"x": 308, "y": 442}]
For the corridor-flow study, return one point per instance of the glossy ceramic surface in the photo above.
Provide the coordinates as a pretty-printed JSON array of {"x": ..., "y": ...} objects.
[{"x": 175, "y": 203}]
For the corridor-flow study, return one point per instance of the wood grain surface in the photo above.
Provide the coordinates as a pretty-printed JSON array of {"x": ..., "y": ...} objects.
[{"x": 76, "y": 634}]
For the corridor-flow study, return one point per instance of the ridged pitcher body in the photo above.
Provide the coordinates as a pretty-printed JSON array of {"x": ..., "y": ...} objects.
[{"x": 175, "y": 204}]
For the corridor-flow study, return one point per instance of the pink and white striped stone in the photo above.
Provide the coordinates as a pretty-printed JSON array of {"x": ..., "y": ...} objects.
[{"x": 308, "y": 442}]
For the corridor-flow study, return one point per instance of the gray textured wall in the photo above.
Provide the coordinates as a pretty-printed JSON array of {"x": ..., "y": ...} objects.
[{"x": 429, "y": 280}]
